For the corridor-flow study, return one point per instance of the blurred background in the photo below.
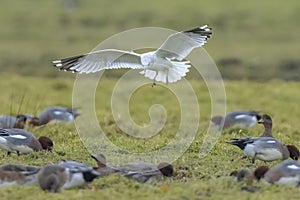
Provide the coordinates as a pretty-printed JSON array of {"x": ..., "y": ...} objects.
[{"x": 252, "y": 40}]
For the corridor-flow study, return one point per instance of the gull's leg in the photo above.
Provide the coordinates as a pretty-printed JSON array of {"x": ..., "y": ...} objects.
[
  {"x": 167, "y": 79},
  {"x": 154, "y": 84}
]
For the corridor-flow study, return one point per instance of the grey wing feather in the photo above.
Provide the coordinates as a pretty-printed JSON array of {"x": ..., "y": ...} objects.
[
  {"x": 75, "y": 166},
  {"x": 24, "y": 169},
  {"x": 291, "y": 171},
  {"x": 100, "y": 60},
  {"x": 7, "y": 121},
  {"x": 10, "y": 133},
  {"x": 246, "y": 112},
  {"x": 137, "y": 167},
  {"x": 267, "y": 142},
  {"x": 179, "y": 45}
]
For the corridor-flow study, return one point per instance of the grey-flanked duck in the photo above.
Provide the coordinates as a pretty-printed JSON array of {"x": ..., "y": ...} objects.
[
  {"x": 65, "y": 175},
  {"x": 284, "y": 173},
  {"x": 265, "y": 148},
  {"x": 106, "y": 170},
  {"x": 22, "y": 141},
  {"x": 54, "y": 113},
  {"x": 245, "y": 119},
  {"x": 7, "y": 122},
  {"x": 142, "y": 172},
  {"x": 14, "y": 174}
]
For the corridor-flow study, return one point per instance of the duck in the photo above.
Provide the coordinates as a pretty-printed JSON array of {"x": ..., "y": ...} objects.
[
  {"x": 246, "y": 176},
  {"x": 145, "y": 172},
  {"x": 53, "y": 178},
  {"x": 19, "y": 168},
  {"x": 148, "y": 176},
  {"x": 7, "y": 121},
  {"x": 267, "y": 122},
  {"x": 265, "y": 148},
  {"x": 142, "y": 172},
  {"x": 22, "y": 141},
  {"x": 16, "y": 174},
  {"x": 243, "y": 174},
  {"x": 54, "y": 113},
  {"x": 245, "y": 119},
  {"x": 284, "y": 173},
  {"x": 65, "y": 175},
  {"x": 80, "y": 173}
]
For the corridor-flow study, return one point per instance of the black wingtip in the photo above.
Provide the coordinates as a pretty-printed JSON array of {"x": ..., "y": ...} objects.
[
  {"x": 66, "y": 63},
  {"x": 203, "y": 30},
  {"x": 57, "y": 64}
]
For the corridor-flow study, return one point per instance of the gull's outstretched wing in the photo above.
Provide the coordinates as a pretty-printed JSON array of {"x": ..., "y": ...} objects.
[
  {"x": 179, "y": 45},
  {"x": 100, "y": 60}
]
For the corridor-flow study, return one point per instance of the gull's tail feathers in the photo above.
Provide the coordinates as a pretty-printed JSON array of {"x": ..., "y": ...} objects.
[{"x": 175, "y": 73}]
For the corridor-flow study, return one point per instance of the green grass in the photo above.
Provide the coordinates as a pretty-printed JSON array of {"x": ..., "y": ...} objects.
[
  {"x": 262, "y": 35},
  {"x": 196, "y": 178}
]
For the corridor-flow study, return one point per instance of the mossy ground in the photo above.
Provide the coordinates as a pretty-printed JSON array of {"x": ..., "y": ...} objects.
[
  {"x": 262, "y": 36},
  {"x": 206, "y": 178}
]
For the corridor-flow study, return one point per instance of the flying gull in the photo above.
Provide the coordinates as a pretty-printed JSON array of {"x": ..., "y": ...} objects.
[{"x": 166, "y": 64}]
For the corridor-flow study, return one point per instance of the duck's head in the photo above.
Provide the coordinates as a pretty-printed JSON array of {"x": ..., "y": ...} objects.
[
  {"x": 294, "y": 152},
  {"x": 265, "y": 119},
  {"x": 100, "y": 159},
  {"x": 47, "y": 143},
  {"x": 260, "y": 171},
  {"x": 167, "y": 170}
]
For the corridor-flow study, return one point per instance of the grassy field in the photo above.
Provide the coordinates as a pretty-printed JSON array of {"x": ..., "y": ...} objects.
[
  {"x": 206, "y": 178},
  {"x": 259, "y": 36},
  {"x": 256, "y": 42}
]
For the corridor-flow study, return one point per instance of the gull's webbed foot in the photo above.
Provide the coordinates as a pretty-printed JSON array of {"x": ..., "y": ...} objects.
[{"x": 153, "y": 84}]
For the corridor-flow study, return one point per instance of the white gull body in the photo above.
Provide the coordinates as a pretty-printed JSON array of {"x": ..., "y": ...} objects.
[{"x": 166, "y": 64}]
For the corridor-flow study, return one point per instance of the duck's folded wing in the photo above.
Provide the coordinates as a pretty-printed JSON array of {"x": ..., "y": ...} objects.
[
  {"x": 179, "y": 45},
  {"x": 100, "y": 60},
  {"x": 291, "y": 168},
  {"x": 137, "y": 167},
  {"x": 75, "y": 166},
  {"x": 267, "y": 142},
  {"x": 78, "y": 167},
  {"x": 24, "y": 169},
  {"x": 242, "y": 113}
]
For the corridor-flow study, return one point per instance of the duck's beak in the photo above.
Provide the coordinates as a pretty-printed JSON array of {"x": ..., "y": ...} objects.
[
  {"x": 52, "y": 191},
  {"x": 52, "y": 150},
  {"x": 260, "y": 121},
  {"x": 94, "y": 157}
]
